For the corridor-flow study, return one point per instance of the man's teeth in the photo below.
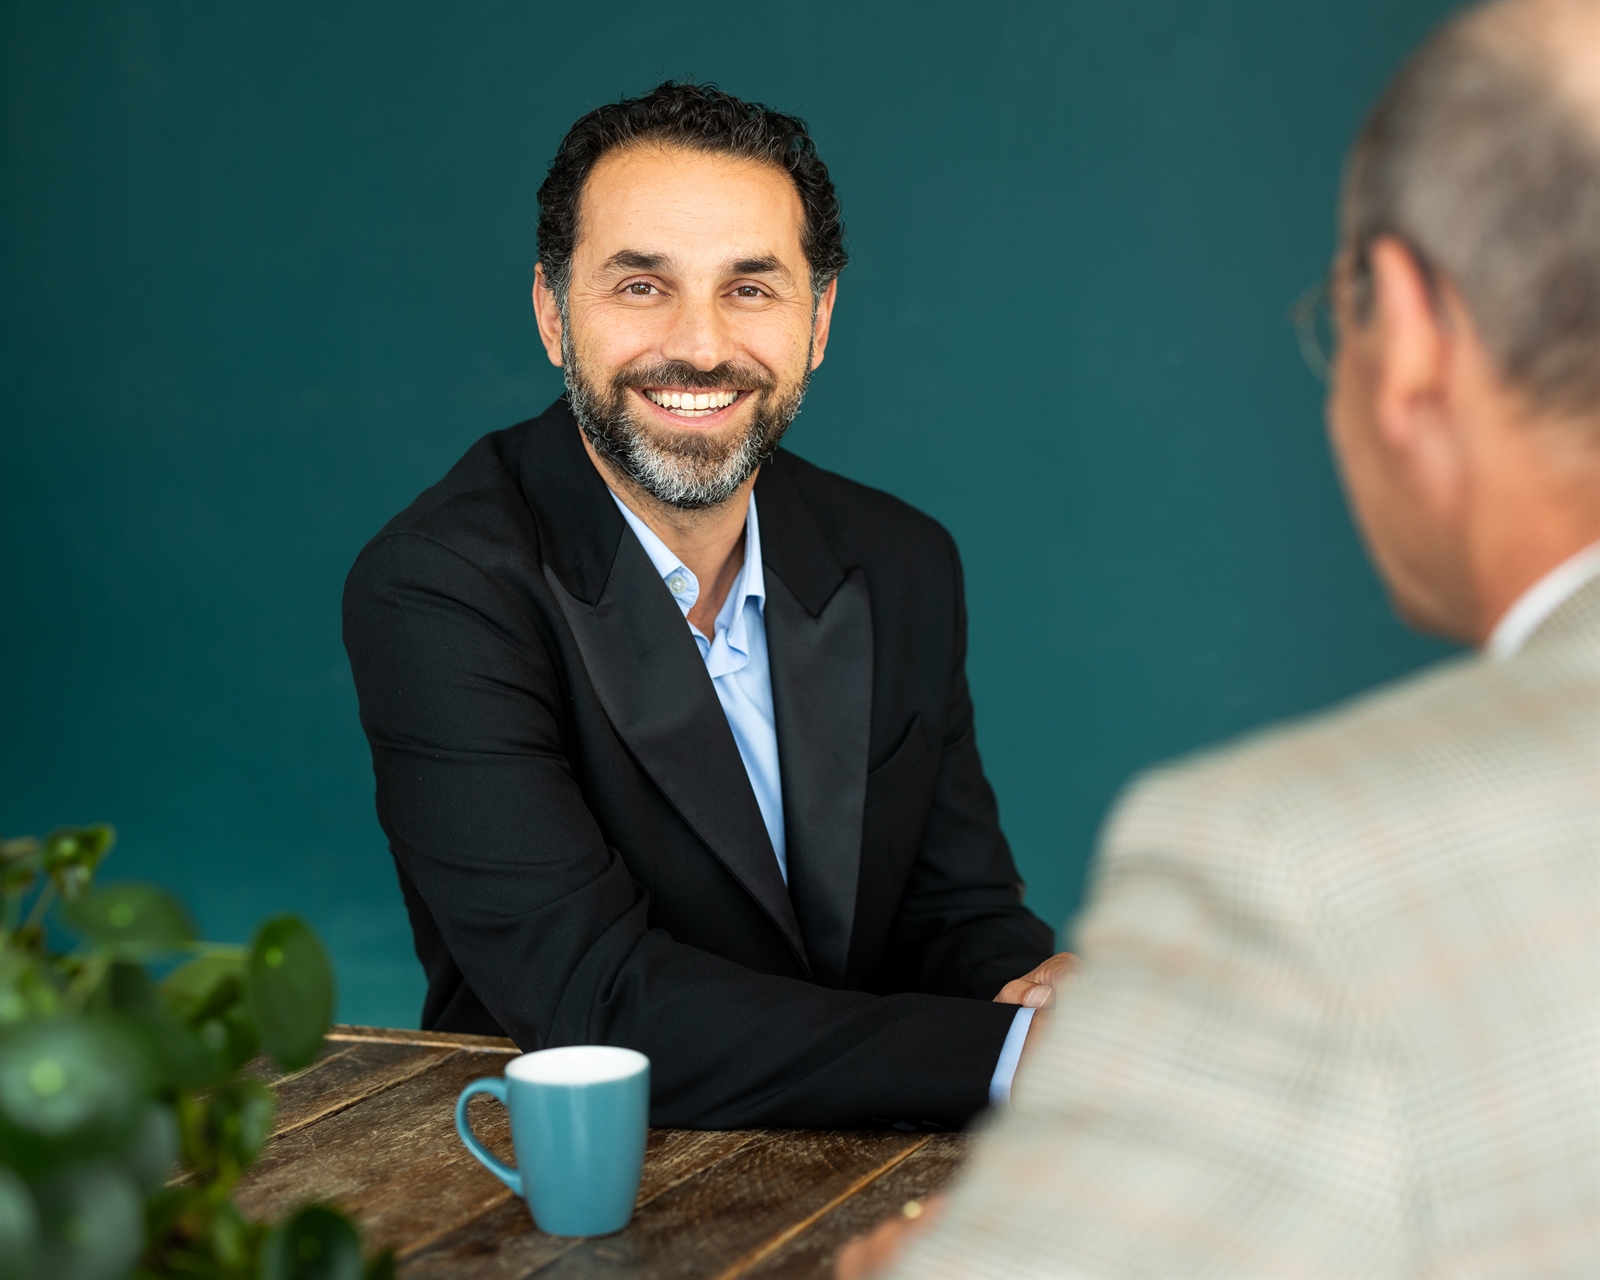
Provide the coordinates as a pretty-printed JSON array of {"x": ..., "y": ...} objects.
[{"x": 693, "y": 403}]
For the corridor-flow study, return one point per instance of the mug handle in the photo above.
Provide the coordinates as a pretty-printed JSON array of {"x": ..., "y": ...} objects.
[{"x": 495, "y": 1086}]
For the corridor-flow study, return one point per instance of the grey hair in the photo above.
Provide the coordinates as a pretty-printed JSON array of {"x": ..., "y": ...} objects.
[{"x": 1486, "y": 169}]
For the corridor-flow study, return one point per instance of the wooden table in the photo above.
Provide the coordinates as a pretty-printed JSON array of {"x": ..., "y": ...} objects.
[{"x": 370, "y": 1127}]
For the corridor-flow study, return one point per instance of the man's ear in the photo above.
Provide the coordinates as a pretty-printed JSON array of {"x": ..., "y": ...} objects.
[
  {"x": 1415, "y": 400},
  {"x": 821, "y": 321},
  {"x": 1411, "y": 342},
  {"x": 548, "y": 314}
]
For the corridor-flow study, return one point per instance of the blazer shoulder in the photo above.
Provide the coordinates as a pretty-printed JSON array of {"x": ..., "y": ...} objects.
[
  {"x": 858, "y": 518},
  {"x": 1428, "y": 758},
  {"x": 477, "y": 510}
]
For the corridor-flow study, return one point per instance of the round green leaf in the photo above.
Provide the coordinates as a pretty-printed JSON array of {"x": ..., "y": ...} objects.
[
  {"x": 132, "y": 921},
  {"x": 20, "y": 860},
  {"x": 72, "y": 854},
  {"x": 179, "y": 1057},
  {"x": 28, "y": 989},
  {"x": 19, "y": 1227},
  {"x": 291, "y": 990},
  {"x": 206, "y": 986},
  {"x": 92, "y": 1224},
  {"x": 61, "y": 1078},
  {"x": 84, "y": 846},
  {"x": 242, "y": 1118},
  {"x": 233, "y": 1239},
  {"x": 153, "y": 1150},
  {"x": 318, "y": 1243}
]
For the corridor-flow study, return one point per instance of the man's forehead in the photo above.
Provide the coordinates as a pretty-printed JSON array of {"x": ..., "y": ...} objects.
[{"x": 684, "y": 207}]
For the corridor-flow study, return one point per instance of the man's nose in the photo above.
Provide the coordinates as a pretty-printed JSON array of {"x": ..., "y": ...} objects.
[{"x": 699, "y": 333}]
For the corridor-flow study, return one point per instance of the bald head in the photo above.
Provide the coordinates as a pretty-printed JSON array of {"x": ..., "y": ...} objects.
[
  {"x": 1465, "y": 402},
  {"x": 1484, "y": 158},
  {"x": 1553, "y": 41}
]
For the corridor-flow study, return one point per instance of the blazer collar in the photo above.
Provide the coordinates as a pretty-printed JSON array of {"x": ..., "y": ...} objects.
[
  {"x": 580, "y": 527},
  {"x": 820, "y": 650},
  {"x": 648, "y": 674},
  {"x": 792, "y": 545},
  {"x": 643, "y": 663}
]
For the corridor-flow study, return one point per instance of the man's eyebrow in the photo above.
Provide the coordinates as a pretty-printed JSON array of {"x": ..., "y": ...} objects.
[
  {"x": 633, "y": 260},
  {"x": 762, "y": 266}
]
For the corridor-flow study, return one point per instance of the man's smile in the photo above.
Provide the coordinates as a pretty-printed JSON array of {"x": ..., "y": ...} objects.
[{"x": 682, "y": 402}]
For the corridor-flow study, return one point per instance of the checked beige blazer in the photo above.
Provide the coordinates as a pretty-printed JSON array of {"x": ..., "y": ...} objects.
[{"x": 1339, "y": 1007}]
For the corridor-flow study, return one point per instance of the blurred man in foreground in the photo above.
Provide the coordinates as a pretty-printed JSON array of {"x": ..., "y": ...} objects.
[{"x": 1338, "y": 1012}]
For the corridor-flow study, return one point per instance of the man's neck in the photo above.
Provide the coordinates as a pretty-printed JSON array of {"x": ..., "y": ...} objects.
[
  {"x": 710, "y": 542},
  {"x": 1536, "y": 518}
]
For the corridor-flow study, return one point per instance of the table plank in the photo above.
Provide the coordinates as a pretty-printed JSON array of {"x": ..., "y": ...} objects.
[
  {"x": 393, "y": 1161},
  {"x": 346, "y": 1031},
  {"x": 718, "y": 1221},
  {"x": 504, "y": 1244},
  {"x": 346, "y": 1074},
  {"x": 807, "y": 1254}
]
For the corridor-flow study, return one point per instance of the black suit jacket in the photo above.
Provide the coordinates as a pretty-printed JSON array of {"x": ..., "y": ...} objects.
[{"x": 577, "y": 839}]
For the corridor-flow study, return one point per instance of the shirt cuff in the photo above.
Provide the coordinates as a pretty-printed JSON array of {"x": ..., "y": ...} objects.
[{"x": 1010, "y": 1053}]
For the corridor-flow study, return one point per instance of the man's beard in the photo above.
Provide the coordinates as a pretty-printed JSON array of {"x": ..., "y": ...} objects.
[{"x": 688, "y": 470}]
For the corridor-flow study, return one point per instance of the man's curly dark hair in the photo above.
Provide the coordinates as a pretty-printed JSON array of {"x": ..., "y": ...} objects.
[{"x": 701, "y": 117}]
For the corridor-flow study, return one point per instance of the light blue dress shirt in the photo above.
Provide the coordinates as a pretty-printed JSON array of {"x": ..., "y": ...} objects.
[{"x": 735, "y": 655}]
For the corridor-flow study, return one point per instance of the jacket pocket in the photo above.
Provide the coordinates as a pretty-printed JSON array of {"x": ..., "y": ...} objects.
[{"x": 902, "y": 760}]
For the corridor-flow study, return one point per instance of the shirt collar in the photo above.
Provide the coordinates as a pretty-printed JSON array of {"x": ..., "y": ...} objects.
[
  {"x": 1539, "y": 601},
  {"x": 750, "y": 584}
]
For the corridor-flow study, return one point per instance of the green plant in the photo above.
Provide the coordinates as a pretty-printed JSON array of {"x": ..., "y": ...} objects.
[{"x": 126, "y": 1113}]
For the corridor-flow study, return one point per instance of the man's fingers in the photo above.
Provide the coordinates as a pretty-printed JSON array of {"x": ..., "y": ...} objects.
[
  {"x": 1036, "y": 990},
  {"x": 1031, "y": 995},
  {"x": 851, "y": 1261},
  {"x": 869, "y": 1254}
]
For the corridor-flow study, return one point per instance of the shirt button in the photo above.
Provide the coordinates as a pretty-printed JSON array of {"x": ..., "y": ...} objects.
[{"x": 677, "y": 584}]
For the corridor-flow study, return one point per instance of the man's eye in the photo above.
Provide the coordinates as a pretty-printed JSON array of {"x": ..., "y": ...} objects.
[
  {"x": 747, "y": 291},
  {"x": 641, "y": 289}
]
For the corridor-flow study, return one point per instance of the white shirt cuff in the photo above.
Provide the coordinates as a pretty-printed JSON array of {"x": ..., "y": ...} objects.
[{"x": 1010, "y": 1053}]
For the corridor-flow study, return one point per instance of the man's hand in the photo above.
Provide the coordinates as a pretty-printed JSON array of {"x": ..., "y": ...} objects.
[
  {"x": 1037, "y": 990},
  {"x": 870, "y": 1255}
]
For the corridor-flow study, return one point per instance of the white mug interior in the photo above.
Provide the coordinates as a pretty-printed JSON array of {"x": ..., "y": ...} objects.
[{"x": 577, "y": 1064}]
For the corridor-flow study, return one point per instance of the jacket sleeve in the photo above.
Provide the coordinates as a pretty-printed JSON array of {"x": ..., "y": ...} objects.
[
  {"x": 462, "y": 704},
  {"x": 1209, "y": 1098},
  {"x": 962, "y": 928}
]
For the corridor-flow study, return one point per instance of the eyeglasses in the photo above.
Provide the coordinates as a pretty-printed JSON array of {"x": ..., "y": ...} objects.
[{"x": 1312, "y": 317}]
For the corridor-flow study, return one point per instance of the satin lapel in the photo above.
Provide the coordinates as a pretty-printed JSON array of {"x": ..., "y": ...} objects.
[
  {"x": 822, "y": 698},
  {"x": 649, "y": 676}
]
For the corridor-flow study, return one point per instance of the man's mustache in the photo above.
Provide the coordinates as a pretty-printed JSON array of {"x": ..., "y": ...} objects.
[{"x": 675, "y": 373}]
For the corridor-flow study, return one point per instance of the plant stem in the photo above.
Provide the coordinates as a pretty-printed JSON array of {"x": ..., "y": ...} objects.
[
  {"x": 41, "y": 904},
  {"x": 89, "y": 976}
]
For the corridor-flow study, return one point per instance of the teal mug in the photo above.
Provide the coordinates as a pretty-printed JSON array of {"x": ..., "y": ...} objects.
[{"x": 579, "y": 1118}]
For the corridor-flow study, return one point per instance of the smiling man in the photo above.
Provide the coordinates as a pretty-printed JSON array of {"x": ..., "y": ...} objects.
[{"x": 671, "y": 730}]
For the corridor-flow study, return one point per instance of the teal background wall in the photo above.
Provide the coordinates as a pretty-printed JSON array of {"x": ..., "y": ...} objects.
[{"x": 263, "y": 277}]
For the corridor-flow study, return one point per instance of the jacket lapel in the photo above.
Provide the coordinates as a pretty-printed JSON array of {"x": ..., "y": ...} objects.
[
  {"x": 644, "y": 664},
  {"x": 819, "y": 643}
]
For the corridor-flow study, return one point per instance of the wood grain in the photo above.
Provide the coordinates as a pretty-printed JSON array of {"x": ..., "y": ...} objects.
[
  {"x": 394, "y": 1161},
  {"x": 370, "y": 1127},
  {"x": 808, "y": 1254},
  {"x": 349, "y": 1074},
  {"x": 504, "y": 1244},
  {"x": 344, "y": 1031},
  {"x": 722, "y": 1219}
]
